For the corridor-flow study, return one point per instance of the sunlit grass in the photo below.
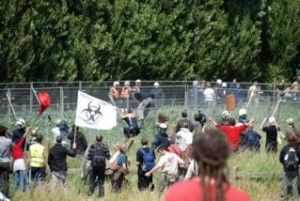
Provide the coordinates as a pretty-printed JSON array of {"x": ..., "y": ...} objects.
[{"x": 266, "y": 188}]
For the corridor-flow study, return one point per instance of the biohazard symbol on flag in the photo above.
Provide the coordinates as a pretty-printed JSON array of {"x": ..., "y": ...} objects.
[{"x": 94, "y": 113}]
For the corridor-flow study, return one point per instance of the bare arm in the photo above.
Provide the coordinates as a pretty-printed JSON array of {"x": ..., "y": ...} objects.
[
  {"x": 212, "y": 121},
  {"x": 156, "y": 167},
  {"x": 263, "y": 123}
]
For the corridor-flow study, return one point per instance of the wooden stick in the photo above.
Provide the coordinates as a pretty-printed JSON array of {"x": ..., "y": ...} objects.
[{"x": 11, "y": 106}]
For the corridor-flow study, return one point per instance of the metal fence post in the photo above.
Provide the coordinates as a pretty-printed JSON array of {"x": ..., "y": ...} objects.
[
  {"x": 30, "y": 97},
  {"x": 80, "y": 85},
  {"x": 186, "y": 95},
  {"x": 61, "y": 101},
  {"x": 274, "y": 91},
  {"x": 8, "y": 106}
]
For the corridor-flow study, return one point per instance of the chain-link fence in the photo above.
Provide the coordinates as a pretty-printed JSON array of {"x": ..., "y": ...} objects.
[{"x": 168, "y": 93}]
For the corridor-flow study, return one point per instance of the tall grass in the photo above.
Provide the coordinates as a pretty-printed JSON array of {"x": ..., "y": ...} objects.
[{"x": 260, "y": 189}]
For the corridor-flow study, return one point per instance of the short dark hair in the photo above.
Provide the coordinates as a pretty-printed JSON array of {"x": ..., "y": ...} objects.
[
  {"x": 39, "y": 138},
  {"x": 231, "y": 121},
  {"x": 184, "y": 114},
  {"x": 144, "y": 141},
  {"x": 99, "y": 138},
  {"x": 3, "y": 130}
]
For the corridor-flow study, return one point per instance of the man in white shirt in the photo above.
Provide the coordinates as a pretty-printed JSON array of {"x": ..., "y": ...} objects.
[
  {"x": 253, "y": 94},
  {"x": 209, "y": 95},
  {"x": 60, "y": 129},
  {"x": 184, "y": 137},
  {"x": 168, "y": 165}
]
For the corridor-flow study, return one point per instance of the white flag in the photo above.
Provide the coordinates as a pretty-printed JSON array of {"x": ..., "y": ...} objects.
[{"x": 94, "y": 113}]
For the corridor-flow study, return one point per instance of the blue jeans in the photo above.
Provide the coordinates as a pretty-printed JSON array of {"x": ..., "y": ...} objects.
[{"x": 20, "y": 180}]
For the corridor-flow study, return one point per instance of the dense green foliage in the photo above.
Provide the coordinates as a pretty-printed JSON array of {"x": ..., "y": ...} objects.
[{"x": 148, "y": 39}]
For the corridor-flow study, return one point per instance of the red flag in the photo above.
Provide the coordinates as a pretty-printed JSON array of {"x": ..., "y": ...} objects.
[{"x": 45, "y": 101}]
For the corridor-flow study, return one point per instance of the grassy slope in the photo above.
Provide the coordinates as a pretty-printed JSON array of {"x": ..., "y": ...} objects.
[{"x": 260, "y": 189}]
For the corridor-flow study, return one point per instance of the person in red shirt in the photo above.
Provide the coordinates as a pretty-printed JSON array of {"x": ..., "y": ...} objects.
[
  {"x": 211, "y": 152},
  {"x": 19, "y": 167},
  {"x": 232, "y": 132}
]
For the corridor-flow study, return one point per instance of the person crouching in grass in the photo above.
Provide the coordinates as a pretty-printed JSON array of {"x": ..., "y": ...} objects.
[{"x": 289, "y": 158}]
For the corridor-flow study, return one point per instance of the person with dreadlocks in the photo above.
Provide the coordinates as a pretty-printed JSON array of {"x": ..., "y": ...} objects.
[{"x": 211, "y": 152}]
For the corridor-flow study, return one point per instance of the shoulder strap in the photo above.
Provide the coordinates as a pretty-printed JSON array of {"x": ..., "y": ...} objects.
[{"x": 143, "y": 151}]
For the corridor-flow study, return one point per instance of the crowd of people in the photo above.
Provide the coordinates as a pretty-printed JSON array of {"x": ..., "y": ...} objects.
[
  {"x": 208, "y": 94},
  {"x": 195, "y": 152}
]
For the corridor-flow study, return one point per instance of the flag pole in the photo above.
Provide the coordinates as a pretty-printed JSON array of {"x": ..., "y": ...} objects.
[
  {"x": 34, "y": 92},
  {"x": 11, "y": 106},
  {"x": 74, "y": 142}
]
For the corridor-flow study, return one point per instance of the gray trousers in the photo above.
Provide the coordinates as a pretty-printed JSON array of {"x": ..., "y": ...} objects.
[
  {"x": 290, "y": 179},
  {"x": 58, "y": 179},
  {"x": 165, "y": 181}
]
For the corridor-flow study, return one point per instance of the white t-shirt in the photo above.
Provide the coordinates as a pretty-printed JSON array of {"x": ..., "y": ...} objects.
[
  {"x": 209, "y": 94},
  {"x": 19, "y": 164},
  {"x": 184, "y": 138},
  {"x": 169, "y": 163},
  {"x": 192, "y": 170},
  {"x": 56, "y": 132},
  {"x": 253, "y": 91}
]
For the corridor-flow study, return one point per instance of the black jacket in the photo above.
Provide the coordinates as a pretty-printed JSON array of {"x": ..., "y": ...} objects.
[
  {"x": 81, "y": 142},
  {"x": 57, "y": 158},
  {"x": 284, "y": 151},
  {"x": 160, "y": 139},
  {"x": 92, "y": 149}
]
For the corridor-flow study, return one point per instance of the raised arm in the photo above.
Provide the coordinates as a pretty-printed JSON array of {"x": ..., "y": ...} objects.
[
  {"x": 263, "y": 123},
  {"x": 212, "y": 121}
]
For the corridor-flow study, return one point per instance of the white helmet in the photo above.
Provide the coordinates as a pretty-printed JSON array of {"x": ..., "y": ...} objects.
[
  {"x": 219, "y": 81},
  {"x": 224, "y": 84},
  {"x": 20, "y": 123},
  {"x": 272, "y": 120},
  {"x": 156, "y": 84},
  {"x": 225, "y": 113},
  {"x": 116, "y": 83},
  {"x": 127, "y": 83},
  {"x": 242, "y": 111}
]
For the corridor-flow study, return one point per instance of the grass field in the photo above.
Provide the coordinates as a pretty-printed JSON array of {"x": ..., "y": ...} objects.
[{"x": 256, "y": 173}]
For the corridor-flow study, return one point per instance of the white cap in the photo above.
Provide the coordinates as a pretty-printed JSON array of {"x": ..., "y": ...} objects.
[
  {"x": 163, "y": 125},
  {"x": 242, "y": 111},
  {"x": 116, "y": 83},
  {"x": 225, "y": 113},
  {"x": 195, "y": 82},
  {"x": 156, "y": 84},
  {"x": 219, "y": 81},
  {"x": 21, "y": 123},
  {"x": 272, "y": 120},
  {"x": 138, "y": 81},
  {"x": 224, "y": 84},
  {"x": 127, "y": 82}
]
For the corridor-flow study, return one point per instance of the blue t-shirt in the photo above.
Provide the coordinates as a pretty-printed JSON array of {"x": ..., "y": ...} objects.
[{"x": 121, "y": 159}]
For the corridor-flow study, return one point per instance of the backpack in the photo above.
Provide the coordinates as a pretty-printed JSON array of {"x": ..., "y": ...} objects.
[
  {"x": 148, "y": 160},
  {"x": 98, "y": 158},
  {"x": 291, "y": 160}
]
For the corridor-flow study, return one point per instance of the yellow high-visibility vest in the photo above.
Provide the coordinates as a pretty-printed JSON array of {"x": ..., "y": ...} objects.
[{"x": 37, "y": 155}]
